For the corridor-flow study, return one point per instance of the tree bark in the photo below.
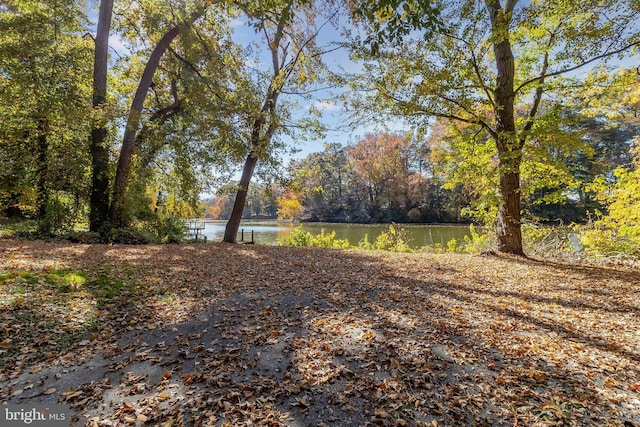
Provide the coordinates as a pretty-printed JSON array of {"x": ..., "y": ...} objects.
[
  {"x": 99, "y": 197},
  {"x": 42, "y": 195},
  {"x": 259, "y": 139},
  {"x": 231, "y": 229},
  {"x": 508, "y": 230}
]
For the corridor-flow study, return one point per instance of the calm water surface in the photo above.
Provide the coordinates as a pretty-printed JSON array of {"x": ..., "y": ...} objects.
[{"x": 267, "y": 232}]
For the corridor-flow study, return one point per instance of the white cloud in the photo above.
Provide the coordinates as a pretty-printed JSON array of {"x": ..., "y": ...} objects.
[
  {"x": 326, "y": 106},
  {"x": 237, "y": 22},
  {"x": 116, "y": 44}
]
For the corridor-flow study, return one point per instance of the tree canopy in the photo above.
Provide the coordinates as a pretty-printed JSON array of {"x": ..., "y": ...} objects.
[
  {"x": 493, "y": 65},
  {"x": 513, "y": 111}
]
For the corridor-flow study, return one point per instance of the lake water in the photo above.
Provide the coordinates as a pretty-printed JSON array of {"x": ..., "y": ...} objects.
[{"x": 267, "y": 232}]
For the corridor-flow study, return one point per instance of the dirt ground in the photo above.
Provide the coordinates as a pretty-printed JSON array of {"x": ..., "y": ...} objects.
[{"x": 235, "y": 335}]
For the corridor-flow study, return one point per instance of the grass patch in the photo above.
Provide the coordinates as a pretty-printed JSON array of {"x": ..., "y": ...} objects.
[
  {"x": 15, "y": 286},
  {"x": 49, "y": 311},
  {"x": 13, "y": 228},
  {"x": 107, "y": 288},
  {"x": 43, "y": 312},
  {"x": 65, "y": 281}
]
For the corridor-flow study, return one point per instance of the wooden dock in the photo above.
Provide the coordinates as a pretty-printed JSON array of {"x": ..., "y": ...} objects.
[{"x": 195, "y": 231}]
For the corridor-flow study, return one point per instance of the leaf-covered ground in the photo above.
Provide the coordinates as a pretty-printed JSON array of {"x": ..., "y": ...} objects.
[{"x": 253, "y": 335}]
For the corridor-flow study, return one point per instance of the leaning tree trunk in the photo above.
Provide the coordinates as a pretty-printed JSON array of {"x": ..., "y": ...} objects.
[
  {"x": 99, "y": 198},
  {"x": 264, "y": 127},
  {"x": 117, "y": 210},
  {"x": 231, "y": 229},
  {"x": 509, "y": 231},
  {"x": 259, "y": 139}
]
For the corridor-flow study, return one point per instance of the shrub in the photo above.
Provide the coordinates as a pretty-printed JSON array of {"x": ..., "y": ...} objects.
[
  {"x": 394, "y": 240},
  {"x": 168, "y": 229},
  {"x": 299, "y": 237},
  {"x": 365, "y": 244},
  {"x": 618, "y": 231},
  {"x": 59, "y": 217},
  {"x": 130, "y": 236},
  {"x": 602, "y": 238},
  {"x": 478, "y": 242},
  {"x": 323, "y": 240}
]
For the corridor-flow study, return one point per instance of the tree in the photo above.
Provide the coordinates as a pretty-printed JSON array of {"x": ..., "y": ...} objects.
[
  {"x": 295, "y": 63},
  {"x": 381, "y": 163},
  {"x": 489, "y": 65},
  {"x": 261, "y": 201},
  {"x": 99, "y": 198},
  {"x": 189, "y": 104},
  {"x": 604, "y": 118},
  {"x": 44, "y": 68},
  {"x": 117, "y": 208},
  {"x": 319, "y": 185},
  {"x": 289, "y": 205},
  {"x": 222, "y": 203},
  {"x": 618, "y": 231}
]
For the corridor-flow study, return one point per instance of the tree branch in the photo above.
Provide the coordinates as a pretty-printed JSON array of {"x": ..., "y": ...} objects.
[
  {"x": 576, "y": 67},
  {"x": 476, "y": 68},
  {"x": 426, "y": 112},
  {"x": 539, "y": 91},
  {"x": 511, "y": 4},
  {"x": 193, "y": 67}
]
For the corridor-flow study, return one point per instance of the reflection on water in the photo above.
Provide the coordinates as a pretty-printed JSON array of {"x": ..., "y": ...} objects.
[{"x": 267, "y": 232}]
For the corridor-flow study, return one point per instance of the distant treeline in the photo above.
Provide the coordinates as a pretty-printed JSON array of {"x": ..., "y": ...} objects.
[{"x": 392, "y": 178}]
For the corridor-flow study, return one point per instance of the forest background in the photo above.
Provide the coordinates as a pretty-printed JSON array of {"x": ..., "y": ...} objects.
[{"x": 500, "y": 113}]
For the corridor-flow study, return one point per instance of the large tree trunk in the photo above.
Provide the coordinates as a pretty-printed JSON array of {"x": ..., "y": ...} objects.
[
  {"x": 509, "y": 231},
  {"x": 99, "y": 198},
  {"x": 508, "y": 228},
  {"x": 231, "y": 229},
  {"x": 42, "y": 195},
  {"x": 117, "y": 211},
  {"x": 262, "y": 130}
]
